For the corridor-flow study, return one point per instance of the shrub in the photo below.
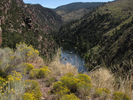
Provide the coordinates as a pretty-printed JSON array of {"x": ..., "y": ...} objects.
[
  {"x": 69, "y": 97},
  {"x": 60, "y": 89},
  {"x": 57, "y": 85},
  {"x": 28, "y": 67},
  {"x": 33, "y": 87},
  {"x": 70, "y": 82},
  {"x": 10, "y": 62},
  {"x": 28, "y": 96},
  {"x": 101, "y": 92},
  {"x": 2, "y": 81},
  {"x": 84, "y": 78},
  {"x": 50, "y": 81},
  {"x": 40, "y": 73},
  {"x": 84, "y": 88},
  {"x": 34, "y": 73},
  {"x": 26, "y": 52},
  {"x": 3, "y": 74},
  {"x": 69, "y": 75},
  {"x": 13, "y": 89},
  {"x": 120, "y": 96}
]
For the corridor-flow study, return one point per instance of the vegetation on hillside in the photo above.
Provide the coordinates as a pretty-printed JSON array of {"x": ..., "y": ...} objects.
[
  {"x": 46, "y": 18},
  {"x": 103, "y": 36},
  {"x": 18, "y": 27},
  {"x": 75, "y": 11},
  {"x": 24, "y": 76}
]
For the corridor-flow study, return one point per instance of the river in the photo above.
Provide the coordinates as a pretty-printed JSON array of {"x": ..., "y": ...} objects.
[{"x": 70, "y": 55}]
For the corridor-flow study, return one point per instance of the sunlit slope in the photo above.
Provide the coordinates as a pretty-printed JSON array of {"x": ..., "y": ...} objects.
[
  {"x": 76, "y": 10},
  {"x": 105, "y": 34}
]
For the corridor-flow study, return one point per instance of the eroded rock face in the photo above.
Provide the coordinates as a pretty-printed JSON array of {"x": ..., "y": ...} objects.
[{"x": 28, "y": 22}]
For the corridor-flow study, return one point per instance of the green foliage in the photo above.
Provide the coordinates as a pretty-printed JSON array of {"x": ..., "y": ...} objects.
[
  {"x": 28, "y": 67},
  {"x": 16, "y": 60},
  {"x": 69, "y": 97},
  {"x": 57, "y": 85},
  {"x": 120, "y": 96},
  {"x": 15, "y": 28},
  {"x": 101, "y": 92},
  {"x": 40, "y": 73},
  {"x": 2, "y": 81},
  {"x": 3, "y": 74},
  {"x": 103, "y": 36},
  {"x": 28, "y": 96},
  {"x": 74, "y": 11},
  {"x": 13, "y": 88},
  {"x": 9, "y": 60},
  {"x": 27, "y": 52},
  {"x": 84, "y": 78},
  {"x": 50, "y": 81},
  {"x": 70, "y": 82},
  {"x": 33, "y": 87},
  {"x": 84, "y": 88}
]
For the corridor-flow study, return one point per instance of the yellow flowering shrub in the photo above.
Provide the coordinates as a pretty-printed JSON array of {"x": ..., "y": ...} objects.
[
  {"x": 120, "y": 96},
  {"x": 84, "y": 88},
  {"x": 9, "y": 62},
  {"x": 70, "y": 82},
  {"x": 40, "y": 73},
  {"x": 60, "y": 89},
  {"x": 84, "y": 78},
  {"x": 34, "y": 88},
  {"x": 63, "y": 90},
  {"x": 69, "y": 97},
  {"x": 26, "y": 51},
  {"x": 34, "y": 73},
  {"x": 28, "y": 67},
  {"x": 101, "y": 92},
  {"x": 2, "y": 81},
  {"x": 69, "y": 74},
  {"x": 57, "y": 85},
  {"x": 28, "y": 96},
  {"x": 13, "y": 88}
]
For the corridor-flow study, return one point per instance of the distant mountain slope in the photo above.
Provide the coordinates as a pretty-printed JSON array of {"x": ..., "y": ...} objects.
[
  {"x": 46, "y": 18},
  {"x": 105, "y": 34},
  {"x": 76, "y": 10},
  {"x": 18, "y": 23}
]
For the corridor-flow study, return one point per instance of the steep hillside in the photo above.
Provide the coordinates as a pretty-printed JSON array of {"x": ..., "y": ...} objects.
[
  {"x": 16, "y": 25},
  {"x": 46, "y": 18},
  {"x": 105, "y": 34},
  {"x": 75, "y": 11}
]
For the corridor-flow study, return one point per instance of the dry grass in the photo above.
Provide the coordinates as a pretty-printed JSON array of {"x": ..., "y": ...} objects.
[
  {"x": 60, "y": 70},
  {"x": 102, "y": 78},
  {"x": 126, "y": 86},
  {"x": 36, "y": 61}
]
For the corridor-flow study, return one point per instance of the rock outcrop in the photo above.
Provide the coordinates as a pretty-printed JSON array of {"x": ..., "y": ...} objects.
[{"x": 28, "y": 22}]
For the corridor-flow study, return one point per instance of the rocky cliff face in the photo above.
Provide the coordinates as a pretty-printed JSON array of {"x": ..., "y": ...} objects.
[
  {"x": 46, "y": 18},
  {"x": 19, "y": 23}
]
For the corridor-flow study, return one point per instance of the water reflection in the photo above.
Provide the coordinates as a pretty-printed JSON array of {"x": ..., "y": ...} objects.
[{"x": 70, "y": 55}]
